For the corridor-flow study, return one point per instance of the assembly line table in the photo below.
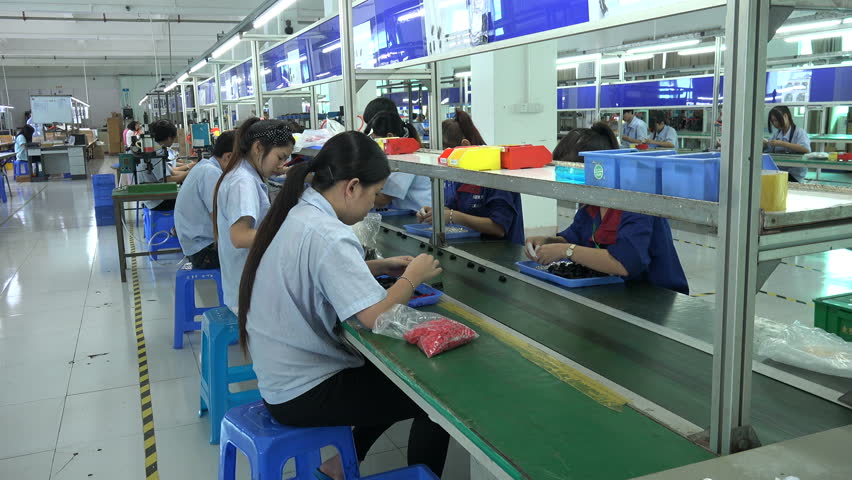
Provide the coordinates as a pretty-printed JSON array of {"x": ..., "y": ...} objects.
[{"x": 120, "y": 196}]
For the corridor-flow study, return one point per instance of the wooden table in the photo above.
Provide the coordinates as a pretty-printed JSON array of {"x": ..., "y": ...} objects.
[{"x": 120, "y": 196}]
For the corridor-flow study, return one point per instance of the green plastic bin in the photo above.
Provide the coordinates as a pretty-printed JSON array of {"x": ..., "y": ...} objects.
[{"x": 834, "y": 315}]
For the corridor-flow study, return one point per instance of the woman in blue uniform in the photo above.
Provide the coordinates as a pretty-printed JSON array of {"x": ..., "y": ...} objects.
[
  {"x": 241, "y": 198},
  {"x": 627, "y": 244},
  {"x": 662, "y": 136},
  {"x": 494, "y": 213},
  {"x": 305, "y": 274},
  {"x": 787, "y": 138}
]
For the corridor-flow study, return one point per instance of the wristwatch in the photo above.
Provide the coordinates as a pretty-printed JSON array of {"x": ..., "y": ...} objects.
[{"x": 570, "y": 251}]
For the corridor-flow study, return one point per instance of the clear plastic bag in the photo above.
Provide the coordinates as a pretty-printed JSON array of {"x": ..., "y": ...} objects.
[
  {"x": 367, "y": 231},
  {"x": 431, "y": 332},
  {"x": 313, "y": 138},
  {"x": 804, "y": 347}
]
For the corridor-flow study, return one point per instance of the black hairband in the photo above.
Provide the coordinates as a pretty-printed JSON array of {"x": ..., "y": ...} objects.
[{"x": 277, "y": 135}]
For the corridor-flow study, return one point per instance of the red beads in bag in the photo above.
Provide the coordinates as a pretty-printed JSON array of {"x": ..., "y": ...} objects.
[{"x": 437, "y": 336}]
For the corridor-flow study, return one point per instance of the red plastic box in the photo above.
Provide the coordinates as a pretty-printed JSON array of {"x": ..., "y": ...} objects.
[{"x": 515, "y": 157}]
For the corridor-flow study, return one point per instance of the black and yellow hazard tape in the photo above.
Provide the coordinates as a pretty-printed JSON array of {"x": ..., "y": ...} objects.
[
  {"x": 706, "y": 294},
  {"x": 693, "y": 243},
  {"x": 802, "y": 267},
  {"x": 810, "y": 304},
  {"x": 146, "y": 405}
]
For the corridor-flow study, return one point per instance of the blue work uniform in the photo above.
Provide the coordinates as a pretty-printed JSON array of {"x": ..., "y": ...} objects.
[
  {"x": 504, "y": 208},
  {"x": 409, "y": 192},
  {"x": 637, "y": 129},
  {"x": 642, "y": 243},
  {"x": 194, "y": 206},
  {"x": 667, "y": 134},
  {"x": 21, "y": 153},
  {"x": 311, "y": 277},
  {"x": 794, "y": 135},
  {"x": 243, "y": 193}
]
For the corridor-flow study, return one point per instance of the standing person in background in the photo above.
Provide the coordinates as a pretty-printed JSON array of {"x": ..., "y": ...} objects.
[
  {"x": 129, "y": 133},
  {"x": 194, "y": 205},
  {"x": 24, "y": 136},
  {"x": 37, "y": 132},
  {"x": 787, "y": 138},
  {"x": 663, "y": 136},
  {"x": 493, "y": 213},
  {"x": 634, "y": 130},
  {"x": 241, "y": 198}
]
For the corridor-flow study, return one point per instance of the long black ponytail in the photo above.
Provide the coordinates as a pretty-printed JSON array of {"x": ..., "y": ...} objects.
[
  {"x": 345, "y": 156},
  {"x": 375, "y": 108}
]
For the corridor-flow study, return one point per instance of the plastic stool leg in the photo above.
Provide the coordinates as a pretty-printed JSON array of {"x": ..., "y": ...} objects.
[
  {"x": 3, "y": 187},
  {"x": 218, "y": 382},
  {"x": 180, "y": 314},
  {"x": 227, "y": 461}
]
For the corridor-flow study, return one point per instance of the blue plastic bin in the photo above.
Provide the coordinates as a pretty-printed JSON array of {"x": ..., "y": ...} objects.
[
  {"x": 602, "y": 167},
  {"x": 102, "y": 187},
  {"x": 769, "y": 162},
  {"x": 567, "y": 174},
  {"x": 643, "y": 171},
  {"x": 104, "y": 216},
  {"x": 431, "y": 295},
  {"x": 533, "y": 269},
  {"x": 425, "y": 230},
  {"x": 694, "y": 175}
]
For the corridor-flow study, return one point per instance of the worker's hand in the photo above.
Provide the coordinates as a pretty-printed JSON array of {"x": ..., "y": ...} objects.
[
  {"x": 395, "y": 266},
  {"x": 280, "y": 170},
  {"x": 422, "y": 269},
  {"x": 766, "y": 142},
  {"x": 534, "y": 243},
  {"x": 425, "y": 215},
  {"x": 550, "y": 253}
]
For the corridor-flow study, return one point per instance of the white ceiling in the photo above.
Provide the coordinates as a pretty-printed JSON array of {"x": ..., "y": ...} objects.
[{"x": 70, "y": 34}]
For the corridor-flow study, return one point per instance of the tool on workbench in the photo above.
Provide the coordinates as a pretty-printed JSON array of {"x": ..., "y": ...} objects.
[{"x": 143, "y": 152}]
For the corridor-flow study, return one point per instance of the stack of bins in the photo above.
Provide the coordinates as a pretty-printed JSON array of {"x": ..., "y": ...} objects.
[
  {"x": 643, "y": 171},
  {"x": 601, "y": 167},
  {"x": 694, "y": 175},
  {"x": 102, "y": 187}
]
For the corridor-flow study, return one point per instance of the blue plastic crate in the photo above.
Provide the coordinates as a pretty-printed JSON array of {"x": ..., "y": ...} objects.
[
  {"x": 566, "y": 174},
  {"x": 104, "y": 215},
  {"x": 694, "y": 175},
  {"x": 643, "y": 171},
  {"x": 103, "y": 180},
  {"x": 532, "y": 269},
  {"x": 602, "y": 167},
  {"x": 392, "y": 212},
  {"x": 431, "y": 296},
  {"x": 425, "y": 230}
]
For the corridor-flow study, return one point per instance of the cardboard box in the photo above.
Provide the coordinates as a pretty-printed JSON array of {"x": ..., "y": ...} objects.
[{"x": 23, "y": 178}]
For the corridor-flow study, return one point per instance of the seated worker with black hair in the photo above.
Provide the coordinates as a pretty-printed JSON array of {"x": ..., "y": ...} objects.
[
  {"x": 627, "y": 244},
  {"x": 164, "y": 133},
  {"x": 194, "y": 205}
]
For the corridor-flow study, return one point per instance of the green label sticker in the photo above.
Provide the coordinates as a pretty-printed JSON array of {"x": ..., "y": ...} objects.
[{"x": 599, "y": 171}]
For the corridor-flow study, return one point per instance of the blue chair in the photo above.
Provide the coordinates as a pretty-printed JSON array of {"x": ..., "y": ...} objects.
[
  {"x": 22, "y": 168},
  {"x": 218, "y": 330},
  {"x": 3, "y": 182},
  {"x": 185, "y": 309},
  {"x": 155, "y": 223},
  {"x": 269, "y": 445}
]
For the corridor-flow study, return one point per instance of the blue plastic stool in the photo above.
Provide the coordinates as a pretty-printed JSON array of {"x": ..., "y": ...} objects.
[
  {"x": 269, "y": 445},
  {"x": 218, "y": 330},
  {"x": 3, "y": 181},
  {"x": 156, "y": 221},
  {"x": 185, "y": 309},
  {"x": 22, "y": 168}
]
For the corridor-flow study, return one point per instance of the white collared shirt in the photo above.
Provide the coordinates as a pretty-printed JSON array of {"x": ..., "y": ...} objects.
[{"x": 194, "y": 206}]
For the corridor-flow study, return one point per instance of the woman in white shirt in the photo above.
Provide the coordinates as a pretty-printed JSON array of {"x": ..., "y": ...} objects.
[
  {"x": 241, "y": 198},
  {"x": 787, "y": 138},
  {"x": 305, "y": 274}
]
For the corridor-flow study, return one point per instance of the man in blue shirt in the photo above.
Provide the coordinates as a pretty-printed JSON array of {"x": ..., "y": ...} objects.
[
  {"x": 634, "y": 131},
  {"x": 194, "y": 205},
  {"x": 663, "y": 136}
]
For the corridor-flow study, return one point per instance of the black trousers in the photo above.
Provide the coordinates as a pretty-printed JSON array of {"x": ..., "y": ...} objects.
[
  {"x": 205, "y": 259},
  {"x": 366, "y": 399},
  {"x": 165, "y": 205}
]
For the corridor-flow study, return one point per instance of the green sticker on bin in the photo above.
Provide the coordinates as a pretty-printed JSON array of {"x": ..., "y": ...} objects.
[{"x": 599, "y": 171}]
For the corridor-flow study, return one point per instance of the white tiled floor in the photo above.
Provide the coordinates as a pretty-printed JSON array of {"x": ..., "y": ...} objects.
[{"x": 69, "y": 395}]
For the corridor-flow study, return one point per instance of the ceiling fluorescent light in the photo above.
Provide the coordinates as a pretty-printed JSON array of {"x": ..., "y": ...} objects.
[
  {"x": 183, "y": 78},
  {"x": 227, "y": 46},
  {"x": 631, "y": 58},
  {"x": 578, "y": 59},
  {"x": 663, "y": 47},
  {"x": 198, "y": 66},
  {"x": 331, "y": 48},
  {"x": 144, "y": 99},
  {"x": 817, "y": 36},
  {"x": 801, "y": 27},
  {"x": 271, "y": 13},
  {"x": 464, "y": 74},
  {"x": 170, "y": 87},
  {"x": 699, "y": 50}
]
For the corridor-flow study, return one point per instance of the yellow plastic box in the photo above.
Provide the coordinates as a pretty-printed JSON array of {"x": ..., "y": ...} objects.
[{"x": 479, "y": 158}]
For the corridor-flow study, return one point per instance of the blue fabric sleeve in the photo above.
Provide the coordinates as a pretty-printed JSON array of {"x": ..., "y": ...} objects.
[
  {"x": 574, "y": 233},
  {"x": 500, "y": 209},
  {"x": 633, "y": 242},
  {"x": 242, "y": 202}
]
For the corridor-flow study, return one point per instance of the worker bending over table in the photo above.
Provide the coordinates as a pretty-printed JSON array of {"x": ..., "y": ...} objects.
[
  {"x": 662, "y": 135},
  {"x": 787, "y": 138}
]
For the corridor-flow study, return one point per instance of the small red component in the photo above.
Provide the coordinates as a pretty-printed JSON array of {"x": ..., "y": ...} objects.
[{"x": 438, "y": 336}]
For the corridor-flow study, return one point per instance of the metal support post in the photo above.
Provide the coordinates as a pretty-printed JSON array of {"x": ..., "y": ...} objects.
[
  {"x": 439, "y": 239},
  {"x": 717, "y": 73},
  {"x": 258, "y": 78},
  {"x": 347, "y": 58},
  {"x": 435, "y": 131},
  {"x": 597, "y": 90},
  {"x": 747, "y": 33},
  {"x": 185, "y": 117},
  {"x": 314, "y": 108},
  {"x": 195, "y": 101},
  {"x": 223, "y": 122}
]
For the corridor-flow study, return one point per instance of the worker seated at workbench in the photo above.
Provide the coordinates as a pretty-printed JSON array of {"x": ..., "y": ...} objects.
[
  {"x": 787, "y": 138},
  {"x": 164, "y": 133},
  {"x": 627, "y": 244},
  {"x": 662, "y": 135},
  {"x": 403, "y": 191},
  {"x": 493, "y": 213}
]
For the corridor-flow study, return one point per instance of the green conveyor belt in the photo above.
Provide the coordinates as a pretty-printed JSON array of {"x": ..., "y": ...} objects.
[
  {"x": 673, "y": 375},
  {"x": 531, "y": 423}
]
